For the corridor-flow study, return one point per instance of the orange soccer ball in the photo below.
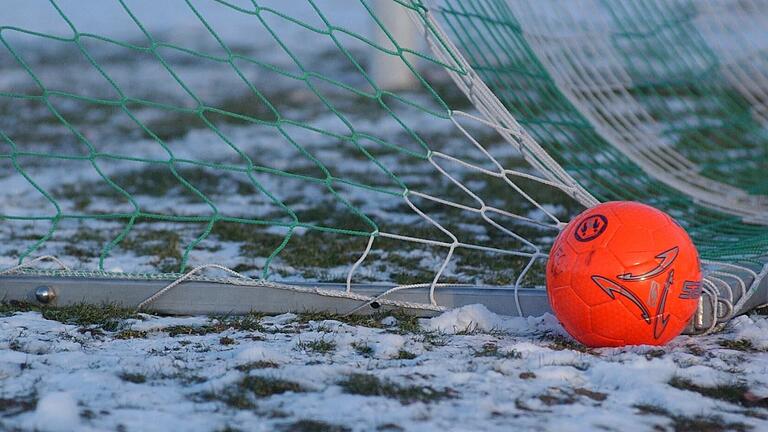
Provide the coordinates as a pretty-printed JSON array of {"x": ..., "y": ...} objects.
[{"x": 623, "y": 273}]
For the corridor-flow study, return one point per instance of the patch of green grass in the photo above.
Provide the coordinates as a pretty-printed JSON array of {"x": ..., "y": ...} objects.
[
  {"x": 389, "y": 427},
  {"x": 250, "y": 323},
  {"x": 497, "y": 270},
  {"x": 474, "y": 329},
  {"x": 28, "y": 234},
  {"x": 313, "y": 426},
  {"x": 186, "y": 330},
  {"x": 330, "y": 213},
  {"x": 187, "y": 377},
  {"x": 15, "y": 345},
  {"x": 17, "y": 405},
  {"x": 710, "y": 423},
  {"x": 356, "y": 320},
  {"x": 226, "y": 340},
  {"x": 320, "y": 346},
  {"x": 254, "y": 240},
  {"x": 362, "y": 349},
  {"x": 173, "y": 125},
  {"x": 559, "y": 398},
  {"x": 654, "y": 353},
  {"x": 79, "y": 252},
  {"x": 405, "y": 323},
  {"x": 309, "y": 253},
  {"x": 408, "y": 324},
  {"x": 261, "y": 364},
  {"x": 159, "y": 180},
  {"x": 131, "y": 334},
  {"x": 471, "y": 329},
  {"x": 75, "y": 194},
  {"x": 738, "y": 345},
  {"x": 650, "y": 409},
  {"x": 405, "y": 355},
  {"x": 370, "y": 385},
  {"x": 406, "y": 271},
  {"x": 11, "y": 307},
  {"x": 558, "y": 343},
  {"x": 163, "y": 245},
  {"x": 242, "y": 394},
  {"x": 490, "y": 349},
  {"x": 735, "y": 393},
  {"x": 107, "y": 316},
  {"x": 84, "y": 234},
  {"x": 433, "y": 339},
  {"x": 135, "y": 378},
  {"x": 237, "y": 232},
  {"x": 594, "y": 395},
  {"x": 686, "y": 424}
]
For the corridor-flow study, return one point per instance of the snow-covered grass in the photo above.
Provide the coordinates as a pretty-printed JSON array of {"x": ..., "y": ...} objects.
[
  {"x": 468, "y": 369},
  {"x": 251, "y": 162}
]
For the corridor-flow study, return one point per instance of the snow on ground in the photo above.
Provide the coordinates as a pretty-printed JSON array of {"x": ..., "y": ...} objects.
[{"x": 465, "y": 370}]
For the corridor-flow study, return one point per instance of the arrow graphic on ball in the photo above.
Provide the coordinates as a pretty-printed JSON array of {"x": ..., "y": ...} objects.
[
  {"x": 610, "y": 287},
  {"x": 660, "y": 318},
  {"x": 666, "y": 259}
]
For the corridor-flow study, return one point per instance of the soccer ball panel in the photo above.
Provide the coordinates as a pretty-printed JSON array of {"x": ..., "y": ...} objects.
[
  {"x": 599, "y": 340},
  {"x": 565, "y": 303},
  {"x": 588, "y": 266}
]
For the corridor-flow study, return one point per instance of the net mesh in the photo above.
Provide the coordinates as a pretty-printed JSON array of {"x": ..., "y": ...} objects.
[
  {"x": 646, "y": 77},
  {"x": 255, "y": 134}
]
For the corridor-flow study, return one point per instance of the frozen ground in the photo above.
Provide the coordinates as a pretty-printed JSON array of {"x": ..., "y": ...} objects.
[
  {"x": 140, "y": 173},
  {"x": 467, "y": 370}
]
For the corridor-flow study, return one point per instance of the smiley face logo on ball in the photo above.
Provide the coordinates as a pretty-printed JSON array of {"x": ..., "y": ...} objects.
[{"x": 591, "y": 228}]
